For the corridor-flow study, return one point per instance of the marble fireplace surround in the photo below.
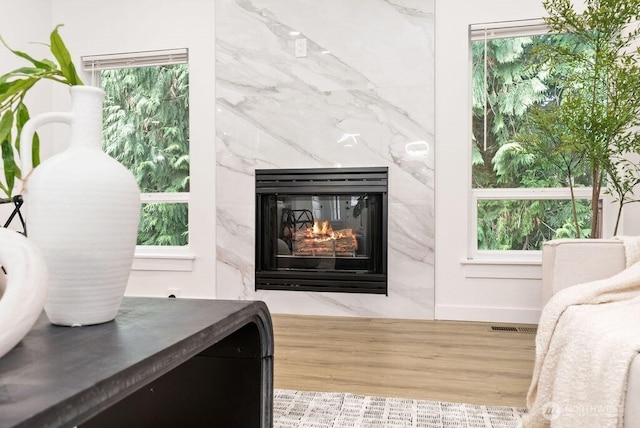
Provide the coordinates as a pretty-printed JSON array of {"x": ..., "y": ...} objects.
[{"x": 362, "y": 96}]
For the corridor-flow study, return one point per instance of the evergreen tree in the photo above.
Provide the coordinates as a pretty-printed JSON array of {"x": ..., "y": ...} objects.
[
  {"x": 146, "y": 128},
  {"x": 508, "y": 83}
]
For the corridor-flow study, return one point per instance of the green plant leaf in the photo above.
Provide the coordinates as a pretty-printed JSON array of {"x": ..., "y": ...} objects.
[
  {"x": 13, "y": 87},
  {"x": 40, "y": 64},
  {"x": 9, "y": 89},
  {"x": 19, "y": 73},
  {"x": 6, "y": 122},
  {"x": 22, "y": 116},
  {"x": 26, "y": 70},
  {"x": 59, "y": 50},
  {"x": 50, "y": 63},
  {"x": 9, "y": 165}
]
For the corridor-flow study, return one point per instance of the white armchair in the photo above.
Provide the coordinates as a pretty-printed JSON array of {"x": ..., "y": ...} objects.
[{"x": 567, "y": 262}]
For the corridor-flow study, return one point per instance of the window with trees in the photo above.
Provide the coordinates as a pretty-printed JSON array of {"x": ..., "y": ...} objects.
[
  {"x": 146, "y": 128},
  {"x": 519, "y": 199}
]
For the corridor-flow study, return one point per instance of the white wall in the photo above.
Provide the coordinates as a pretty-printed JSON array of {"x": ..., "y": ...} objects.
[
  {"x": 27, "y": 38},
  {"x": 95, "y": 27},
  {"x": 19, "y": 37},
  {"x": 491, "y": 292}
]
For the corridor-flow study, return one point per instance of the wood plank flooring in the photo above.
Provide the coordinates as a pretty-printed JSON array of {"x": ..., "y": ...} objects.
[{"x": 431, "y": 360}]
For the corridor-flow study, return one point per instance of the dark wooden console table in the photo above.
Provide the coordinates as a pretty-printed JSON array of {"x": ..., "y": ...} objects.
[{"x": 160, "y": 363}]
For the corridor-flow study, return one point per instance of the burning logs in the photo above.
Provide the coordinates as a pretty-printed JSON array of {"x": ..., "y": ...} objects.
[{"x": 323, "y": 241}]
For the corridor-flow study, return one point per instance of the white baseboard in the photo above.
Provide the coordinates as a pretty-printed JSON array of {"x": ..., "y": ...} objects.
[{"x": 487, "y": 314}]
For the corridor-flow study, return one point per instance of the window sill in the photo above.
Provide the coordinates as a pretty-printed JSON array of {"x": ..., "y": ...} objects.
[
  {"x": 161, "y": 259},
  {"x": 504, "y": 267}
]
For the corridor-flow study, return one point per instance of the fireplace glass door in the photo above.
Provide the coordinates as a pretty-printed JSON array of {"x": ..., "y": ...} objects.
[
  {"x": 313, "y": 235},
  {"x": 325, "y": 232}
]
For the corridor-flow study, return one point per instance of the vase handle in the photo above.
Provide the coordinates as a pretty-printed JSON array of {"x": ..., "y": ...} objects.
[{"x": 26, "y": 137}]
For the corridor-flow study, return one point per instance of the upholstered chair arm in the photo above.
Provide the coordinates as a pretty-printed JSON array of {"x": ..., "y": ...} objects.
[{"x": 567, "y": 262}]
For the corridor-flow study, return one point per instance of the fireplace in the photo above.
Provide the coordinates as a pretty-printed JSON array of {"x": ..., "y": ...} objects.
[{"x": 322, "y": 229}]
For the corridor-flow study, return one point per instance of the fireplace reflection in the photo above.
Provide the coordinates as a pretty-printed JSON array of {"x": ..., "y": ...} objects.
[{"x": 319, "y": 230}]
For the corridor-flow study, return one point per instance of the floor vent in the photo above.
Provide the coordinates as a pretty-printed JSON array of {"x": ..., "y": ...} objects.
[{"x": 505, "y": 328}]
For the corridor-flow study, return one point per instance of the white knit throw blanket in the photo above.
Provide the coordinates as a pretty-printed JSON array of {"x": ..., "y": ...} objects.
[{"x": 587, "y": 337}]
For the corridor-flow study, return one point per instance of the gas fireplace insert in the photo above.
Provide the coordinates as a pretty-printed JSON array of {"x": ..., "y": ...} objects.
[{"x": 322, "y": 229}]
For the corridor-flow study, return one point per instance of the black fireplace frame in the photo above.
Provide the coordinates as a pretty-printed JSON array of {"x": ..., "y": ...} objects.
[{"x": 326, "y": 181}]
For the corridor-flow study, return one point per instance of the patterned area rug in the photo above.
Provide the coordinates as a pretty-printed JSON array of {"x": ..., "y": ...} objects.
[{"x": 302, "y": 409}]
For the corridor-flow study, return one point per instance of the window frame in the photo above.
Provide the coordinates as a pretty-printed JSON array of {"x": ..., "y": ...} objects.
[
  {"x": 492, "y": 31},
  {"x": 173, "y": 258},
  {"x": 510, "y": 194}
]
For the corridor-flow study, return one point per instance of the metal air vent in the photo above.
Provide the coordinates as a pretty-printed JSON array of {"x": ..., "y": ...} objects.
[{"x": 512, "y": 329}]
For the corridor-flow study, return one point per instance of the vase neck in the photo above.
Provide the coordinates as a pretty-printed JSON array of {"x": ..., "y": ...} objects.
[{"x": 86, "y": 110}]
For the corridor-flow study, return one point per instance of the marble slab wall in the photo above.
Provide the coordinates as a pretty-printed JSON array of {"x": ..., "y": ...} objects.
[{"x": 363, "y": 95}]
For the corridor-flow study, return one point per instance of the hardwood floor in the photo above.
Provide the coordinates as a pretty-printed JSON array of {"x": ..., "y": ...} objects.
[{"x": 431, "y": 360}]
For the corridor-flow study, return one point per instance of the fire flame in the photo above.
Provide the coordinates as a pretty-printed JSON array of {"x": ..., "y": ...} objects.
[
  {"x": 320, "y": 240},
  {"x": 325, "y": 232}
]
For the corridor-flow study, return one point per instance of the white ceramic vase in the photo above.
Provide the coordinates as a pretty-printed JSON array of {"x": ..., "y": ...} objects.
[
  {"x": 23, "y": 290},
  {"x": 82, "y": 211}
]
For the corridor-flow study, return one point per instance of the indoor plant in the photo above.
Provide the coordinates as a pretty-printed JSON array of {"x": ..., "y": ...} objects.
[
  {"x": 595, "y": 119},
  {"x": 83, "y": 205},
  {"x": 14, "y": 85}
]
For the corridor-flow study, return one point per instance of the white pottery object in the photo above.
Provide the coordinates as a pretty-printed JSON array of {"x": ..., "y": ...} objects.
[
  {"x": 23, "y": 290},
  {"x": 82, "y": 211}
]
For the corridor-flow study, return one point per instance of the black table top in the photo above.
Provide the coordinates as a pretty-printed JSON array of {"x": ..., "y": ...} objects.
[{"x": 60, "y": 376}]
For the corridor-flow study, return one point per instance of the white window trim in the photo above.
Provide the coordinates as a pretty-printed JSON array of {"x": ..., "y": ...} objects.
[
  {"x": 499, "y": 30},
  {"x": 560, "y": 193},
  {"x": 510, "y": 268},
  {"x": 159, "y": 258},
  {"x": 93, "y": 63},
  {"x": 166, "y": 197},
  {"x": 480, "y": 263},
  {"x": 521, "y": 264},
  {"x": 148, "y": 258}
]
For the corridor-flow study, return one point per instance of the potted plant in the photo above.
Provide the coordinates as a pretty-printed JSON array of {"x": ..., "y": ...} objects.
[
  {"x": 594, "y": 122},
  {"x": 14, "y": 86}
]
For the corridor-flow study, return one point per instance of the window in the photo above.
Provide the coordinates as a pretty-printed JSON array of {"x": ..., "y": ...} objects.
[
  {"x": 519, "y": 199},
  {"x": 146, "y": 128}
]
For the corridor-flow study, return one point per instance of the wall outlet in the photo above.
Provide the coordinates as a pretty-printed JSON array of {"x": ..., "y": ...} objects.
[
  {"x": 173, "y": 293},
  {"x": 301, "y": 48}
]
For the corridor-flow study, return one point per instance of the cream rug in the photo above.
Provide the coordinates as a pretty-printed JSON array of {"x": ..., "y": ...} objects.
[{"x": 302, "y": 409}]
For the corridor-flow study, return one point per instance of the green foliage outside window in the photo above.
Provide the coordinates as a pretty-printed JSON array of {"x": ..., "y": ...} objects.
[
  {"x": 514, "y": 86},
  {"x": 163, "y": 224},
  {"x": 527, "y": 224},
  {"x": 146, "y": 128}
]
